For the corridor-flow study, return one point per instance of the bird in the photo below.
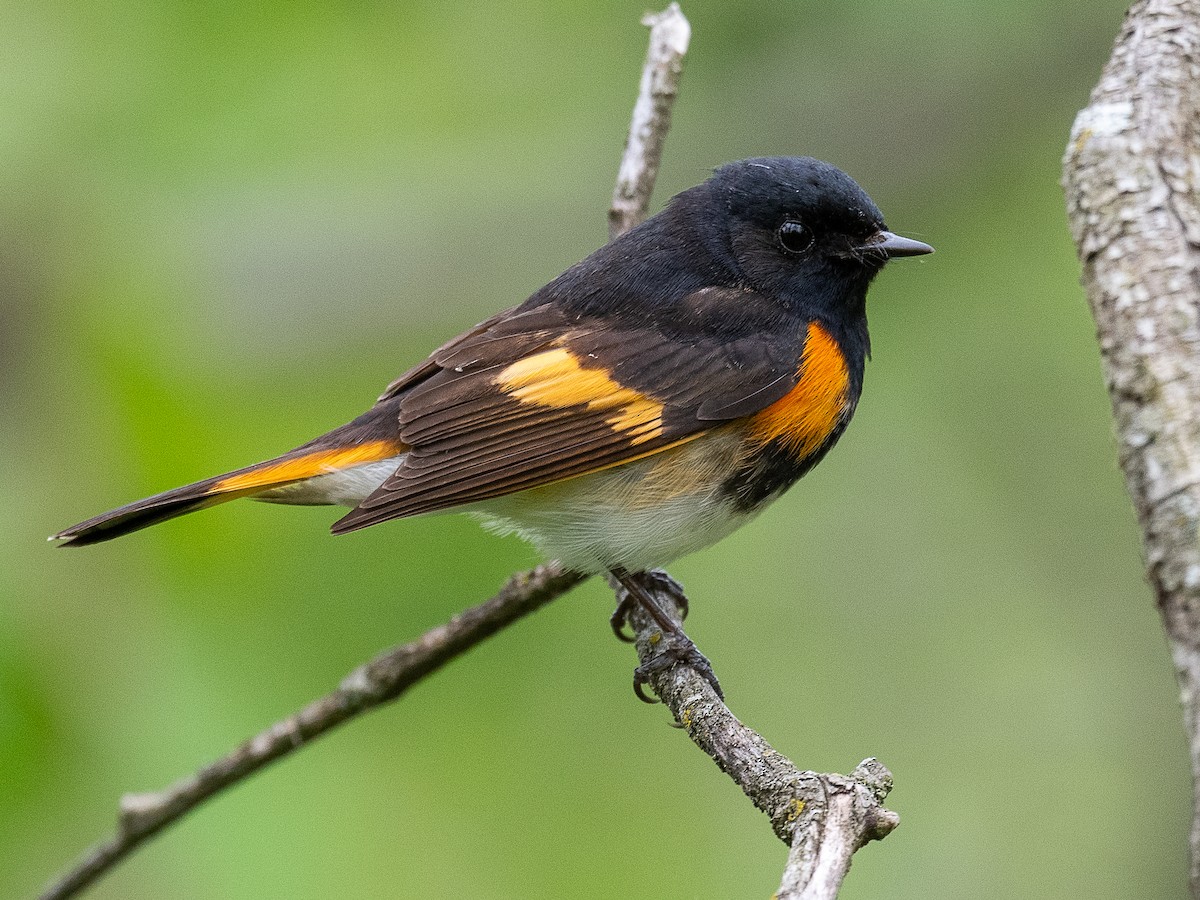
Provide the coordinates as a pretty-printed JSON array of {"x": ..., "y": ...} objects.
[{"x": 639, "y": 407}]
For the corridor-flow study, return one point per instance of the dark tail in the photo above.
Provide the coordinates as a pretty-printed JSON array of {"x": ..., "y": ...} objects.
[
  {"x": 143, "y": 514},
  {"x": 263, "y": 480}
]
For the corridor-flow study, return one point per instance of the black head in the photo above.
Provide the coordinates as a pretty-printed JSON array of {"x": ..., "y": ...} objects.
[
  {"x": 801, "y": 230},
  {"x": 796, "y": 231}
]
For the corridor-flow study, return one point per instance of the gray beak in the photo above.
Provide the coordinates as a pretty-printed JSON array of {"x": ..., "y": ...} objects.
[{"x": 893, "y": 245}]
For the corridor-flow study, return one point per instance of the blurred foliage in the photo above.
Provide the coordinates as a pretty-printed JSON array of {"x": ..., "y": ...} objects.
[{"x": 224, "y": 227}]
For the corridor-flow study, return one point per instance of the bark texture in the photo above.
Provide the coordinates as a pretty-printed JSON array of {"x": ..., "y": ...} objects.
[
  {"x": 1132, "y": 175},
  {"x": 823, "y": 819}
]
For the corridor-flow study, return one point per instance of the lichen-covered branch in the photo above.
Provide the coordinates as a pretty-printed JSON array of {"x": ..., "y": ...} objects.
[
  {"x": 1132, "y": 180},
  {"x": 370, "y": 685},
  {"x": 824, "y": 819}
]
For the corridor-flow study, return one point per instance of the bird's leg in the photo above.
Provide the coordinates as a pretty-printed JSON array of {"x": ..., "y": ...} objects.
[
  {"x": 678, "y": 647},
  {"x": 658, "y": 581}
]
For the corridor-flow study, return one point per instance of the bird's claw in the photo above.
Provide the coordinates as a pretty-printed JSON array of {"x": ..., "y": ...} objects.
[
  {"x": 619, "y": 620},
  {"x": 679, "y": 650}
]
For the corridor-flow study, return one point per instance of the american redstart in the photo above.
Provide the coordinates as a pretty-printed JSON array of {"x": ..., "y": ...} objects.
[{"x": 642, "y": 405}]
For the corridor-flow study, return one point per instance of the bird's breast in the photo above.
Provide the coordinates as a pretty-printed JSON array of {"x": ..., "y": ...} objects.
[
  {"x": 804, "y": 418},
  {"x": 793, "y": 434}
]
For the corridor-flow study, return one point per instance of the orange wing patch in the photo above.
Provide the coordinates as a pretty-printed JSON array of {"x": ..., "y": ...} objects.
[
  {"x": 554, "y": 378},
  {"x": 808, "y": 413},
  {"x": 318, "y": 462}
]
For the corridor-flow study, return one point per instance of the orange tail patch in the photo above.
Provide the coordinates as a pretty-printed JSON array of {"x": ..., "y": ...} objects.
[
  {"x": 287, "y": 469},
  {"x": 316, "y": 462}
]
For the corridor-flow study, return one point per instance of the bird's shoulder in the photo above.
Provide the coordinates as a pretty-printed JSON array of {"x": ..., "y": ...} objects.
[{"x": 711, "y": 354}]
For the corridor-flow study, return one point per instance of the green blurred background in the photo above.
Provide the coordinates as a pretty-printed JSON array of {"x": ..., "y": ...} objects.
[{"x": 224, "y": 227}]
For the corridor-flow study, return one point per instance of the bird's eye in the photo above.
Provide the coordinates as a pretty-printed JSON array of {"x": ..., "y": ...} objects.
[{"x": 795, "y": 237}]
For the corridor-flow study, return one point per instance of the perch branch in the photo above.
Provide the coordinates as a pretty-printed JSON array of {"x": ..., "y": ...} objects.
[
  {"x": 373, "y": 684},
  {"x": 823, "y": 819},
  {"x": 1133, "y": 183}
]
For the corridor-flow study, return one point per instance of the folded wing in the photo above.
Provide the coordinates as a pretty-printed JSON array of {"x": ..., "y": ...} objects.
[{"x": 535, "y": 396}]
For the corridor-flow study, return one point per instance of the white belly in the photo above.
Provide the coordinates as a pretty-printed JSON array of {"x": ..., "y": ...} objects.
[{"x": 636, "y": 516}]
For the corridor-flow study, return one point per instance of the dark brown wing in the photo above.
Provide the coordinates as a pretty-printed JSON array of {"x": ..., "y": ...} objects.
[{"x": 535, "y": 395}]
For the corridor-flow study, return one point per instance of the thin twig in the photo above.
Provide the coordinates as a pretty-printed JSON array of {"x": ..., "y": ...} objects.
[
  {"x": 373, "y": 684},
  {"x": 669, "y": 37},
  {"x": 824, "y": 819}
]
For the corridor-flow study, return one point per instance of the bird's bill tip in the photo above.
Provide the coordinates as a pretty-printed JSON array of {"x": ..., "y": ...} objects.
[{"x": 895, "y": 245}]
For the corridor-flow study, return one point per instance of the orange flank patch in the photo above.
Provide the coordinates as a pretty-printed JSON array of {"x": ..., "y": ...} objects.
[
  {"x": 803, "y": 418},
  {"x": 318, "y": 462},
  {"x": 555, "y": 379}
]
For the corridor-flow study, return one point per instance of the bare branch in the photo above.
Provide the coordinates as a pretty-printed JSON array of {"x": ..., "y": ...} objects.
[
  {"x": 373, "y": 684},
  {"x": 669, "y": 37},
  {"x": 1133, "y": 198},
  {"x": 824, "y": 819}
]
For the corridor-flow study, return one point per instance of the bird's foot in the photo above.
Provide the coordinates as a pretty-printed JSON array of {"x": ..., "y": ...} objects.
[
  {"x": 652, "y": 581},
  {"x": 679, "y": 650}
]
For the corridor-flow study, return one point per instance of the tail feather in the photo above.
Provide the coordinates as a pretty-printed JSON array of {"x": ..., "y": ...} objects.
[
  {"x": 264, "y": 480},
  {"x": 144, "y": 513}
]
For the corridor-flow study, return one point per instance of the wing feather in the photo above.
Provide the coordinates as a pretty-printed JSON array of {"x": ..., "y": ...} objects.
[{"x": 535, "y": 396}]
